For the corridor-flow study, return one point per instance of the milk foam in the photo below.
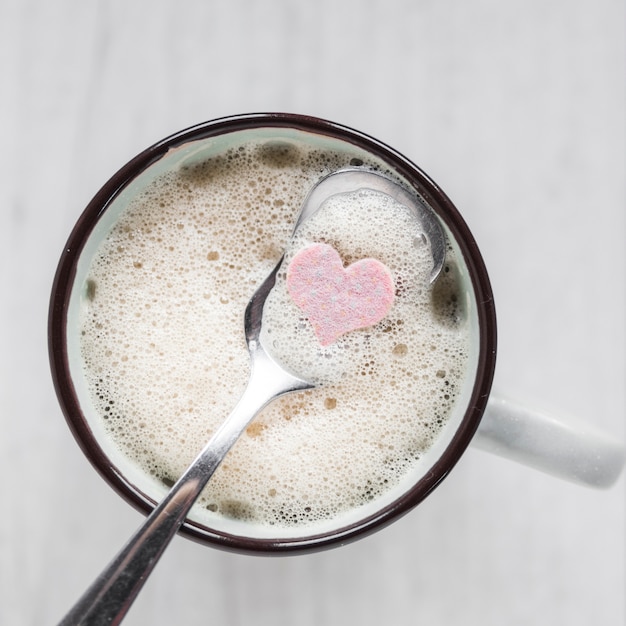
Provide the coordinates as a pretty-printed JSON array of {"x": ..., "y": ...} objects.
[{"x": 166, "y": 360}]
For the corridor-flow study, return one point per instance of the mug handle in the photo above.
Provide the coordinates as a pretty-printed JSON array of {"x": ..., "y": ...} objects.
[{"x": 570, "y": 450}]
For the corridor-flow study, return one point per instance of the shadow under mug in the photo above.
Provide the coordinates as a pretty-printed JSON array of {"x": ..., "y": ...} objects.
[{"x": 573, "y": 452}]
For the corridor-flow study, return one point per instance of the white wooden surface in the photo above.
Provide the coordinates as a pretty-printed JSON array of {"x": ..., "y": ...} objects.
[{"x": 515, "y": 108}]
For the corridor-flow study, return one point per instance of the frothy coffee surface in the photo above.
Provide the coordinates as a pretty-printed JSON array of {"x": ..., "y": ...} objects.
[{"x": 166, "y": 360}]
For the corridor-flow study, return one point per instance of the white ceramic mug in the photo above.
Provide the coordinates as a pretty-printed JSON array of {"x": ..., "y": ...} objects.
[{"x": 572, "y": 451}]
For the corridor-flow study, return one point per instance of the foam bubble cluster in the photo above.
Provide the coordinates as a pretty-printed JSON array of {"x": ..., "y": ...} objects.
[{"x": 165, "y": 354}]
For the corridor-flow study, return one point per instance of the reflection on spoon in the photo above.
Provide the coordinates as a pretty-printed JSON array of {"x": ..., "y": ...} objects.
[{"x": 110, "y": 596}]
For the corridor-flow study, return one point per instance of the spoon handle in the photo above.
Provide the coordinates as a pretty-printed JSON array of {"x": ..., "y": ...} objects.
[{"x": 110, "y": 596}]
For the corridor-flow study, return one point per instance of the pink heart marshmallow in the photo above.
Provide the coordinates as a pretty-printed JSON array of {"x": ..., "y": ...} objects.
[{"x": 335, "y": 299}]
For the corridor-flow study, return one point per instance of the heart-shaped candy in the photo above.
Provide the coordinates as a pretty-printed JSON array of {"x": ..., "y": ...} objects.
[{"x": 335, "y": 299}]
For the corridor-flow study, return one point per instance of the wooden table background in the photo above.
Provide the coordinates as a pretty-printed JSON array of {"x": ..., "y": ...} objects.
[{"x": 516, "y": 108}]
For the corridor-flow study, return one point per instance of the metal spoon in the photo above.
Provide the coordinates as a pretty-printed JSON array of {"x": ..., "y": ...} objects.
[{"x": 110, "y": 596}]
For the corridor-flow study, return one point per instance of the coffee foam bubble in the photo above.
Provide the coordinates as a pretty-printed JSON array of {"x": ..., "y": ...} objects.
[{"x": 165, "y": 354}]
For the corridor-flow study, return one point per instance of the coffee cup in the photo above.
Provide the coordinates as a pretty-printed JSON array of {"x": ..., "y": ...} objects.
[{"x": 148, "y": 354}]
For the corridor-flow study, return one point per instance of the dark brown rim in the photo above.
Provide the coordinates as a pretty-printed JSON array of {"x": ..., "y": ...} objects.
[{"x": 430, "y": 192}]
